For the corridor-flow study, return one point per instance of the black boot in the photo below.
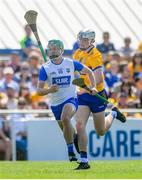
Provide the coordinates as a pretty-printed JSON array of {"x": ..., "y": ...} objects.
[
  {"x": 83, "y": 166},
  {"x": 119, "y": 116}
]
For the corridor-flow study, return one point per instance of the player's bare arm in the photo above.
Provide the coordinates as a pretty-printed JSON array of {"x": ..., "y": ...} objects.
[
  {"x": 90, "y": 74},
  {"x": 98, "y": 73}
]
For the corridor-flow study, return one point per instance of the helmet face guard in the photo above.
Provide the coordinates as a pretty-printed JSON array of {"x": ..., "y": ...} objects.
[
  {"x": 86, "y": 38},
  {"x": 55, "y": 49}
]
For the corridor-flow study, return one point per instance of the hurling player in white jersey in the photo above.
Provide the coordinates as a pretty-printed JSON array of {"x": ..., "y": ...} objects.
[{"x": 58, "y": 73}]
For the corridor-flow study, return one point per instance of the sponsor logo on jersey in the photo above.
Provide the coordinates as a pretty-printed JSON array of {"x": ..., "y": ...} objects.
[
  {"x": 63, "y": 81},
  {"x": 67, "y": 70},
  {"x": 60, "y": 71}
]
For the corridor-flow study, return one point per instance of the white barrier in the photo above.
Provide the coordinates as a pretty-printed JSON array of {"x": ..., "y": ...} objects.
[
  {"x": 46, "y": 142},
  {"x": 122, "y": 141}
]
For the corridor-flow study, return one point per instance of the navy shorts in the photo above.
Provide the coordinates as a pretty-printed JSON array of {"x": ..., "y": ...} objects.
[
  {"x": 94, "y": 103},
  {"x": 57, "y": 110}
]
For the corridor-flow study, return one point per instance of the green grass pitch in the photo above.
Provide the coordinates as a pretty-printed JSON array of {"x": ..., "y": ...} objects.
[{"x": 64, "y": 170}]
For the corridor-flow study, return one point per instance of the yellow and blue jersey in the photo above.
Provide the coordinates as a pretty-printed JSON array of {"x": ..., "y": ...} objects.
[{"x": 93, "y": 60}]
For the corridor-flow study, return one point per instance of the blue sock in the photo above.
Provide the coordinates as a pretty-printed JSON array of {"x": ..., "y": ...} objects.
[
  {"x": 114, "y": 114},
  {"x": 70, "y": 148},
  {"x": 83, "y": 156}
]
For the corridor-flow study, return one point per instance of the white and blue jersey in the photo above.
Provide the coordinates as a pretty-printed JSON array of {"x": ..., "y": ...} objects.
[{"x": 61, "y": 74}]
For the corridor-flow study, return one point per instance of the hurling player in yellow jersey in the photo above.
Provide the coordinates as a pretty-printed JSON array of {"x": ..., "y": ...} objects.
[{"x": 88, "y": 55}]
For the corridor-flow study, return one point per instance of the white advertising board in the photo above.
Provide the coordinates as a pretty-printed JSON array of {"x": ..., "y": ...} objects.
[{"x": 122, "y": 141}]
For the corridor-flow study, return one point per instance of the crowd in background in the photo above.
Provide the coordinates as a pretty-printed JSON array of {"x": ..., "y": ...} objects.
[{"x": 19, "y": 78}]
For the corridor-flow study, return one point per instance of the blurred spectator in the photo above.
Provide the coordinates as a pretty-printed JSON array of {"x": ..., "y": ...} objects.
[
  {"x": 135, "y": 66},
  {"x": 8, "y": 80},
  {"x": 34, "y": 80},
  {"x": 112, "y": 75},
  {"x": 2, "y": 64},
  {"x": 140, "y": 99},
  {"x": 140, "y": 47},
  {"x": 106, "y": 45},
  {"x": 127, "y": 50},
  {"x": 122, "y": 100},
  {"x": 35, "y": 99},
  {"x": 130, "y": 91},
  {"x": 5, "y": 143},
  {"x": 20, "y": 127},
  {"x": 32, "y": 85},
  {"x": 15, "y": 61},
  {"x": 138, "y": 80},
  {"x": 116, "y": 56},
  {"x": 125, "y": 77},
  {"x": 43, "y": 105},
  {"x": 11, "y": 94},
  {"x": 129, "y": 98},
  {"x": 1, "y": 72},
  {"x": 3, "y": 98},
  {"x": 27, "y": 43},
  {"x": 24, "y": 75},
  {"x": 112, "y": 55},
  {"x": 75, "y": 47},
  {"x": 34, "y": 61},
  {"x": 25, "y": 93}
]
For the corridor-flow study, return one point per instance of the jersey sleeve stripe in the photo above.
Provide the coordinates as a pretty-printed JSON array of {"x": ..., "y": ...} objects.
[{"x": 97, "y": 68}]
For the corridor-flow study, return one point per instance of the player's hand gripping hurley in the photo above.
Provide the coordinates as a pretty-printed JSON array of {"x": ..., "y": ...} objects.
[{"x": 80, "y": 83}]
